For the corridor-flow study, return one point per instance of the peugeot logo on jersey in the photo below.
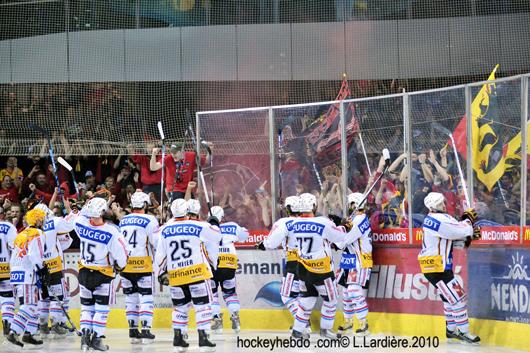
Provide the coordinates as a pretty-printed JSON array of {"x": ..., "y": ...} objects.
[
  {"x": 92, "y": 234},
  {"x": 50, "y": 225},
  {"x": 364, "y": 226},
  {"x": 308, "y": 227},
  {"x": 188, "y": 229},
  {"x": 134, "y": 221},
  {"x": 431, "y": 223},
  {"x": 228, "y": 229},
  {"x": 4, "y": 229}
]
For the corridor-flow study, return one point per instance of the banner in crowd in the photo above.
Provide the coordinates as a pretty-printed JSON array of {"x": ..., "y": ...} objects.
[{"x": 500, "y": 284}]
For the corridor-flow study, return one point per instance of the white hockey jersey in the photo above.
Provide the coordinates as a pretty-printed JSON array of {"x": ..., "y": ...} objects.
[
  {"x": 140, "y": 233},
  {"x": 27, "y": 256},
  {"x": 439, "y": 232},
  {"x": 279, "y": 235},
  {"x": 231, "y": 232},
  {"x": 100, "y": 246},
  {"x": 182, "y": 250},
  {"x": 313, "y": 235},
  {"x": 359, "y": 253},
  {"x": 56, "y": 240},
  {"x": 8, "y": 233}
]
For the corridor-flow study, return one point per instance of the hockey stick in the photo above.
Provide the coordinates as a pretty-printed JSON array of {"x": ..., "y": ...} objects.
[
  {"x": 386, "y": 156},
  {"x": 446, "y": 131},
  {"x": 280, "y": 169},
  {"x": 162, "y": 138},
  {"x": 364, "y": 153},
  {"x": 67, "y": 165},
  {"x": 72, "y": 325},
  {"x": 46, "y": 134},
  {"x": 209, "y": 152},
  {"x": 198, "y": 162}
]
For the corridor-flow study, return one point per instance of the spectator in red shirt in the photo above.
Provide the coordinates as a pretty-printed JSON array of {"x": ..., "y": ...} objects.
[
  {"x": 8, "y": 189},
  {"x": 179, "y": 167},
  {"x": 150, "y": 179}
]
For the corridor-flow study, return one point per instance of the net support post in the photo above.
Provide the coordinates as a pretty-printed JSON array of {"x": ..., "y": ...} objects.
[
  {"x": 198, "y": 149},
  {"x": 408, "y": 151},
  {"x": 524, "y": 151},
  {"x": 273, "y": 171},
  {"x": 344, "y": 159},
  {"x": 469, "y": 144}
]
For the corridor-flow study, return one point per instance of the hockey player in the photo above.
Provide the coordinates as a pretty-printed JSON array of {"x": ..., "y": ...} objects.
[
  {"x": 103, "y": 252},
  {"x": 194, "y": 209},
  {"x": 355, "y": 267},
  {"x": 56, "y": 240},
  {"x": 225, "y": 274},
  {"x": 313, "y": 235},
  {"x": 279, "y": 235},
  {"x": 8, "y": 233},
  {"x": 27, "y": 258},
  {"x": 440, "y": 231},
  {"x": 140, "y": 232},
  {"x": 183, "y": 265}
]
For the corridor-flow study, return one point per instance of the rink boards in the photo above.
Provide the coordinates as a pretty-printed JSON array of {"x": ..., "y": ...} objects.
[{"x": 400, "y": 300}]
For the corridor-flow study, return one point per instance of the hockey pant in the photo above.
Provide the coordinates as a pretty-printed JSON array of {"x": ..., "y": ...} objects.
[
  {"x": 26, "y": 318},
  {"x": 198, "y": 294},
  {"x": 48, "y": 306},
  {"x": 226, "y": 279},
  {"x": 95, "y": 291},
  {"x": 354, "y": 283},
  {"x": 454, "y": 299},
  {"x": 7, "y": 301},
  {"x": 290, "y": 289},
  {"x": 311, "y": 286},
  {"x": 139, "y": 302}
]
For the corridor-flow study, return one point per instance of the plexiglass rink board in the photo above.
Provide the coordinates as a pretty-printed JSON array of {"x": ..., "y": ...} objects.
[{"x": 238, "y": 178}]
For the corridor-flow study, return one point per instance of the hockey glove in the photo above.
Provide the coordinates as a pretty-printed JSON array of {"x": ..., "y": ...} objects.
[
  {"x": 476, "y": 233},
  {"x": 470, "y": 214},
  {"x": 336, "y": 219},
  {"x": 347, "y": 224},
  {"x": 44, "y": 276},
  {"x": 163, "y": 279},
  {"x": 213, "y": 221},
  {"x": 260, "y": 246}
]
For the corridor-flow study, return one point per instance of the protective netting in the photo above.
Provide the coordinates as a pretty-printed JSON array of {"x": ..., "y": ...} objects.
[{"x": 99, "y": 74}]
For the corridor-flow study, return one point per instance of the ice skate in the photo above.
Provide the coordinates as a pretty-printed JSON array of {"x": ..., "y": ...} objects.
[
  {"x": 57, "y": 331},
  {"x": 179, "y": 343},
  {"x": 135, "y": 336},
  {"x": 363, "y": 328},
  {"x": 452, "y": 336},
  {"x": 346, "y": 327},
  {"x": 236, "y": 326},
  {"x": 217, "y": 324},
  {"x": 85, "y": 340},
  {"x": 205, "y": 345},
  {"x": 329, "y": 334},
  {"x": 44, "y": 331},
  {"x": 147, "y": 336},
  {"x": 30, "y": 340},
  {"x": 468, "y": 338},
  {"x": 300, "y": 335},
  {"x": 13, "y": 339},
  {"x": 6, "y": 327},
  {"x": 96, "y": 343}
]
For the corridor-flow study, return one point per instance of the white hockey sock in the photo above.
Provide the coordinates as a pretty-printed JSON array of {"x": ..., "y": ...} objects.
[
  {"x": 327, "y": 314},
  {"x": 146, "y": 310},
  {"x": 44, "y": 311},
  {"x": 8, "y": 308},
  {"x": 460, "y": 316},
  {"x": 305, "y": 306},
  {"x": 232, "y": 303},
  {"x": 216, "y": 307},
  {"x": 99, "y": 323},
  {"x": 291, "y": 304},
  {"x": 203, "y": 316},
  {"x": 355, "y": 293},
  {"x": 20, "y": 320},
  {"x": 132, "y": 309},
  {"x": 347, "y": 305},
  {"x": 449, "y": 320},
  {"x": 87, "y": 315},
  {"x": 56, "y": 313},
  {"x": 180, "y": 317},
  {"x": 32, "y": 322}
]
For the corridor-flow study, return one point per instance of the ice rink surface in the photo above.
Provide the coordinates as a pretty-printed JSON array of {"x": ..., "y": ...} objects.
[{"x": 228, "y": 342}]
